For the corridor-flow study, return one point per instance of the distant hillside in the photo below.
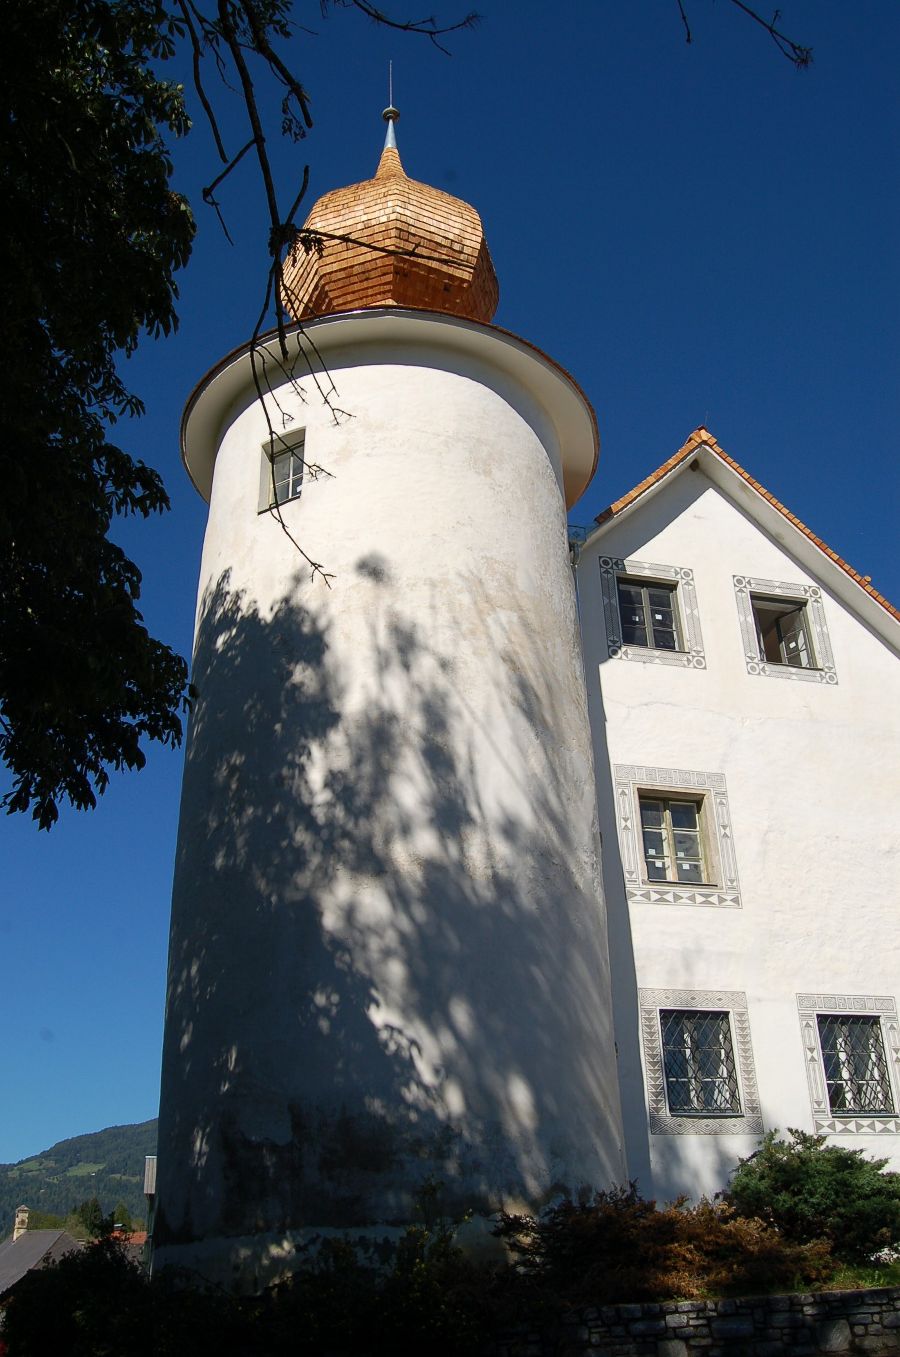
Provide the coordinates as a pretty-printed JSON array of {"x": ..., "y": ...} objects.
[{"x": 108, "y": 1165}]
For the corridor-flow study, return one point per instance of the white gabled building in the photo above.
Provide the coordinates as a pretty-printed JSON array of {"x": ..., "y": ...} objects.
[{"x": 744, "y": 695}]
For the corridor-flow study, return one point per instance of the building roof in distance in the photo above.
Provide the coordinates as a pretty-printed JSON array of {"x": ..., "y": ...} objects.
[{"x": 32, "y": 1249}]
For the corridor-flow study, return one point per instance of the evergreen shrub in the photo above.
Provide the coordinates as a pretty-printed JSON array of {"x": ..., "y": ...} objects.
[{"x": 810, "y": 1190}]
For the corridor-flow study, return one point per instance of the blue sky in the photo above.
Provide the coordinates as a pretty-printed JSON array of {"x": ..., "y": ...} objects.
[{"x": 699, "y": 234}]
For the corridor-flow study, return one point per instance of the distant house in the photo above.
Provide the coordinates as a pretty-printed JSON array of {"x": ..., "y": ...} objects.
[{"x": 30, "y": 1249}]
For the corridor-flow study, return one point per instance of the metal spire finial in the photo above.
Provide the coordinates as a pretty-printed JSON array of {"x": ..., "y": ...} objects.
[{"x": 390, "y": 114}]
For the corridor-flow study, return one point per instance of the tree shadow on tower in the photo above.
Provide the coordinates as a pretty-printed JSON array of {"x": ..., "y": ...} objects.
[{"x": 388, "y": 954}]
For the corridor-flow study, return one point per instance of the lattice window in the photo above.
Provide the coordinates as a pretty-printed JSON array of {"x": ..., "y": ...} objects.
[
  {"x": 698, "y": 1063},
  {"x": 856, "y": 1073},
  {"x": 698, "y": 1059},
  {"x": 851, "y": 1046}
]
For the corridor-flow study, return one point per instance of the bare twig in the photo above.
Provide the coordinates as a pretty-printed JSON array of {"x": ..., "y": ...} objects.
[
  {"x": 798, "y": 55},
  {"x": 684, "y": 20},
  {"x": 197, "y": 55},
  {"x": 426, "y": 28}
]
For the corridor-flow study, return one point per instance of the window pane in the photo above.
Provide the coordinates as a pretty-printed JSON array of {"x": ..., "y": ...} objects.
[
  {"x": 633, "y": 634},
  {"x": 686, "y": 845},
  {"x": 654, "y": 843},
  {"x": 684, "y": 814},
  {"x": 651, "y": 814},
  {"x": 631, "y": 613},
  {"x": 691, "y": 872},
  {"x": 793, "y": 639}
]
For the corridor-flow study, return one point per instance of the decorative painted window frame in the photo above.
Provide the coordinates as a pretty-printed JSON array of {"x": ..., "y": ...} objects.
[
  {"x": 811, "y": 595},
  {"x": 632, "y": 779},
  {"x": 734, "y": 1002},
  {"x": 879, "y": 1005},
  {"x": 694, "y": 657}
]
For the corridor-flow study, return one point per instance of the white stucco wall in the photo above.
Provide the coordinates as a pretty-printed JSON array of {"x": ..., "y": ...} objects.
[
  {"x": 388, "y": 957},
  {"x": 811, "y": 771}
]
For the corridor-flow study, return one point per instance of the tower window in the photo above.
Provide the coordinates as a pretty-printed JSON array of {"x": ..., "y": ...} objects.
[
  {"x": 648, "y": 614},
  {"x": 281, "y": 471},
  {"x": 698, "y": 1059},
  {"x": 782, "y": 631}
]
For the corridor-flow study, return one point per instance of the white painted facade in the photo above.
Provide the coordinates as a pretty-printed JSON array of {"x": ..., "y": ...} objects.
[
  {"x": 388, "y": 955},
  {"x": 797, "y": 775}
]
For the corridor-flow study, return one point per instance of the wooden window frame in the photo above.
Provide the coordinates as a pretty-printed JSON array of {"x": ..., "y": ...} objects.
[{"x": 644, "y": 587}]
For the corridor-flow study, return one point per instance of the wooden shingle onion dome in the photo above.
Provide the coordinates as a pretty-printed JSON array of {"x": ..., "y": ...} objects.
[{"x": 391, "y": 241}]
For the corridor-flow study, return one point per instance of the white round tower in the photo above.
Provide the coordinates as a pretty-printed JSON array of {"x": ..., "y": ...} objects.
[{"x": 388, "y": 956}]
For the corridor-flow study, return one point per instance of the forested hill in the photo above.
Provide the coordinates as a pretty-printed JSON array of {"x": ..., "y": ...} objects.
[{"x": 107, "y": 1164}]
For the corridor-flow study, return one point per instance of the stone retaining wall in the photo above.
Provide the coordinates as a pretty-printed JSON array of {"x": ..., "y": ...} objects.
[{"x": 764, "y": 1326}]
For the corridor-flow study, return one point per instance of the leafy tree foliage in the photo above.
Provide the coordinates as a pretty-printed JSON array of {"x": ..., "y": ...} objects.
[
  {"x": 811, "y": 1190},
  {"x": 121, "y": 1216},
  {"x": 94, "y": 236},
  {"x": 90, "y": 1213}
]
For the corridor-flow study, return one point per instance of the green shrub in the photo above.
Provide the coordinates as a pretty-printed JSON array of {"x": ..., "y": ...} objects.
[{"x": 811, "y": 1190}]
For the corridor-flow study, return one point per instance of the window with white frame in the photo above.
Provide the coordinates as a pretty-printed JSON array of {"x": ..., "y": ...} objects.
[
  {"x": 281, "y": 472},
  {"x": 650, "y": 613},
  {"x": 851, "y": 1044},
  {"x": 698, "y": 1062},
  {"x": 784, "y": 630},
  {"x": 675, "y": 836}
]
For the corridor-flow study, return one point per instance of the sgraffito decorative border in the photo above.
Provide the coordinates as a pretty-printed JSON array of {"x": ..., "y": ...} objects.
[
  {"x": 810, "y": 594},
  {"x": 881, "y": 1006},
  {"x": 630, "y": 779},
  {"x": 734, "y": 1002},
  {"x": 694, "y": 656}
]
